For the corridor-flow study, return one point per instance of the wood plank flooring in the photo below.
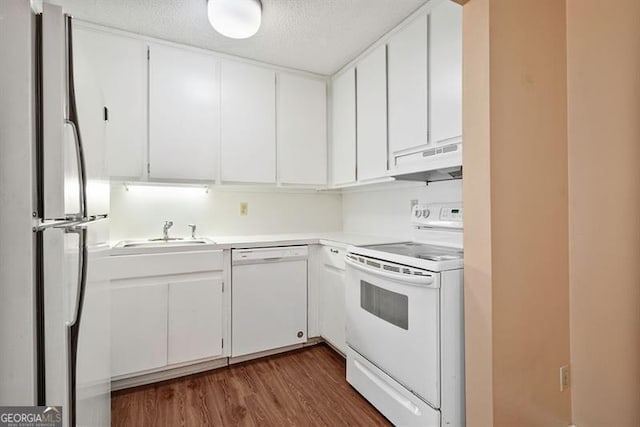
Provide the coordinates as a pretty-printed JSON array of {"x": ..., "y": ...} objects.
[{"x": 302, "y": 388}]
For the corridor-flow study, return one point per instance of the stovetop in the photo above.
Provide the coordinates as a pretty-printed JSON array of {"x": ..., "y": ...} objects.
[{"x": 420, "y": 251}]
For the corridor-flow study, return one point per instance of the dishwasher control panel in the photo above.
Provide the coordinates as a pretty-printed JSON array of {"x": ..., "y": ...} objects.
[{"x": 269, "y": 254}]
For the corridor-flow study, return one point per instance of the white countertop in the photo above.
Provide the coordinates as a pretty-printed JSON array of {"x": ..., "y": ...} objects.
[
  {"x": 332, "y": 238},
  {"x": 338, "y": 239}
]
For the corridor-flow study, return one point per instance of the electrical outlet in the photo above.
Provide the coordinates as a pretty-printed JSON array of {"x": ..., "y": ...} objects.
[
  {"x": 565, "y": 377},
  {"x": 244, "y": 208}
]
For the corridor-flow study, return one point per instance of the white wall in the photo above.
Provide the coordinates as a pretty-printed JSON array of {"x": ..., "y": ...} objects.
[
  {"x": 385, "y": 210},
  {"x": 141, "y": 211}
]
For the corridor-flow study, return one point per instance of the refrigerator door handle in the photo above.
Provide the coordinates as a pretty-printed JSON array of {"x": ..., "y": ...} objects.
[
  {"x": 72, "y": 119},
  {"x": 73, "y": 326}
]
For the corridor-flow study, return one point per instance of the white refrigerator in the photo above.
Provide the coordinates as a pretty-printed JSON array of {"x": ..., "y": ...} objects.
[{"x": 54, "y": 220}]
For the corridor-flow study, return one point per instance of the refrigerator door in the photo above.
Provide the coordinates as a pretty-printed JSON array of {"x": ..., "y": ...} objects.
[
  {"x": 91, "y": 121},
  {"x": 91, "y": 332},
  {"x": 77, "y": 321}
]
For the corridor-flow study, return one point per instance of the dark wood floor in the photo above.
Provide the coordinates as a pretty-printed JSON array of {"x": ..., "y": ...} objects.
[{"x": 302, "y": 388}]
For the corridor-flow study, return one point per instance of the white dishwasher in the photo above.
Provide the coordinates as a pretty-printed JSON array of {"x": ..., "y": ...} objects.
[{"x": 268, "y": 298}]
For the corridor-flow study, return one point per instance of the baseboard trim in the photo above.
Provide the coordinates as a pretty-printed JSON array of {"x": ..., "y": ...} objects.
[
  {"x": 261, "y": 354},
  {"x": 170, "y": 373},
  {"x": 334, "y": 348},
  {"x": 167, "y": 374}
]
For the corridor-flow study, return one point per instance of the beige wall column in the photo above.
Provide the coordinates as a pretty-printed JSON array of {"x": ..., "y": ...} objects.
[
  {"x": 604, "y": 212},
  {"x": 477, "y": 207},
  {"x": 516, "y": 213}
]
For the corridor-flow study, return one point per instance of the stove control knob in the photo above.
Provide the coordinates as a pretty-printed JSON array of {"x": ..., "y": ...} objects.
[
  {"x": 426, "y": 213},
  {"x": 418, "y": 213}
]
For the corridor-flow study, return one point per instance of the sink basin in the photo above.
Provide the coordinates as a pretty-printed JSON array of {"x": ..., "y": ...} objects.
[{"x": 161, "y": 243}]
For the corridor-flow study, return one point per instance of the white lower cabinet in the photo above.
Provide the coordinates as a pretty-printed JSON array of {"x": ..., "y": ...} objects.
[
  {"x": 167, "y": 310},
  {"x": 195, "y": 323},
  {"x": 332, "y": 311},
  {"x": 138, "y": 328}
]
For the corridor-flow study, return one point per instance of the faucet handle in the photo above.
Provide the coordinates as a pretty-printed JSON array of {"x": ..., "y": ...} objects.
[
  {"x": 193, "y": 230},
  {"x": 168, "y": 224}
]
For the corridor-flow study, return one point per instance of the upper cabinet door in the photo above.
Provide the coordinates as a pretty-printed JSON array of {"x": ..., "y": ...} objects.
[
  {"x": 408, "y": 87},
  {"x": 445, "y": 50},
  {"x": 343, "y": 153},
  {"x": 248, "y": 123},
  {"x": 119, "y": 65},
  {"x": 302, "y": 130},
  {"x": 183, "y": 114},
  {"x": 372, "y": 115}
]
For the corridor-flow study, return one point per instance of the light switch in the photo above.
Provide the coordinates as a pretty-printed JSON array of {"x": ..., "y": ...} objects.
[{"x": 244, "y": 208}]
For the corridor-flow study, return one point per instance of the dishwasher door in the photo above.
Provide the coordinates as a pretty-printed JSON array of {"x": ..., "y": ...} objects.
[{"x": 269, "y": 299}]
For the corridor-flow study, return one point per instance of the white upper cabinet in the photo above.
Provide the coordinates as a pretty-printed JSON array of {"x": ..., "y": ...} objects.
[
  {"x": 302, "y": 130},
  {"x": 408, "y": 87},
  {"x": 248, "y": 124},
  {"x": 372, "y": 115},
  {"x": 445, "y": 51},
  {"x": 183, "y": 114},
  {"x": 343, "y": 152},
  {"x": 119, "y": 64}
]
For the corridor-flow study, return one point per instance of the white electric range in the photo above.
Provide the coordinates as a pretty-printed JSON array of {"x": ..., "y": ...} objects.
[{"x": 405, "y": 321}]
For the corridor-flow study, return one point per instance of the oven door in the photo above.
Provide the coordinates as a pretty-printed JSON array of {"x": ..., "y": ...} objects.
[{"x": 393, "y": 320}]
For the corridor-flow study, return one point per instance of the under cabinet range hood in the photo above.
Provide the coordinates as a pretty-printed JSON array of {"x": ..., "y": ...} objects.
[
  {"x": 446, "y": 174},
  {"x": 431, "y": 163}
]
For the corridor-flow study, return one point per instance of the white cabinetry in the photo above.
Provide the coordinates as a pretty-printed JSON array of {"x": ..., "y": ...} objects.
[
  {"x": 183, "y": 114},
  {"x": 425, "y": 93},
  {"x": 248, "y": 124},
  {"x": 138, "y": 328},
  {"x": 119, "y": 64},
  {"x": 408, "y": 87},
  {"x": 195, "y": 322},
  {"x": 445, "y": 55},
  {"x": 302, "y": 130},
  {"x": 332, "y": 310},
  {"x": 343, "y": 152},
  {"x": 168, "y": 309},
  {"x": 372, "y": 115}
]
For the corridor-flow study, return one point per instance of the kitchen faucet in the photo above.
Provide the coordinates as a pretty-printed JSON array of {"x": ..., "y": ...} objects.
[
  {"x": 165, "y": 229},
  {"x": 193, "y": 230}
]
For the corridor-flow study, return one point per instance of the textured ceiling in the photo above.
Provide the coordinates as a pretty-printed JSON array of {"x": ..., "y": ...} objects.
[{"x": 312, "y": 35}]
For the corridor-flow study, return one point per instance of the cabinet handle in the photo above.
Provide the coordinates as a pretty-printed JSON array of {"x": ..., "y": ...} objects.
[{"x": 334, "y": 251}]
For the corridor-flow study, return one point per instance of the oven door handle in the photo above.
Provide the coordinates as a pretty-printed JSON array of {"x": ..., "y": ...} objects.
[{"x": 398, "y": 277}]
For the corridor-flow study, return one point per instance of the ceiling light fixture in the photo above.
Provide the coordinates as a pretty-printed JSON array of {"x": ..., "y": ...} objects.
[{"x": 237, "y": 19}]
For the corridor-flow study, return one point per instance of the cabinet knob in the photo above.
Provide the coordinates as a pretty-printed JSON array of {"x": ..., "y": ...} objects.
[{"x": 300, "y": 334}]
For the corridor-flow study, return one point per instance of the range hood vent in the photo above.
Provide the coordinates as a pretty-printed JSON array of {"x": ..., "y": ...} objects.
[{"x": 445, "y": 174}]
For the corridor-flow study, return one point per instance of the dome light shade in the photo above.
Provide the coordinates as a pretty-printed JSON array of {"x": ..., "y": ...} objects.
[{"x": 237, "y": 19}]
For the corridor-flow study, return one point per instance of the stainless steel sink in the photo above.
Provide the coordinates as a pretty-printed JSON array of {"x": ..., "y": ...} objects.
[{"x": 163, "y": 243}]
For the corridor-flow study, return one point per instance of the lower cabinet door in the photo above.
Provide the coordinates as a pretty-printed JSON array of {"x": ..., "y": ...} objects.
[
  {"x": 195, "y": 320},
  {"x": 332, "y": 307},
  {"x": 138, "y": 328}
]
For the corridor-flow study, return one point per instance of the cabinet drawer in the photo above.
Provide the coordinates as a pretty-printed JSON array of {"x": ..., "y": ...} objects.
[
  {"x": 163, "y": 264},
  {"x": 333, "y": 256}
]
